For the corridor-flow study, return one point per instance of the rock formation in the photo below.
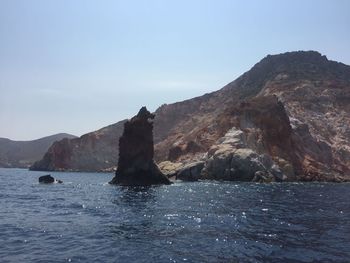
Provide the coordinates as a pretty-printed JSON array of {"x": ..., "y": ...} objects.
[
  {"x": 190, "y": 172},
  {"x": 136, "y": 166},
  {"x": 260, "y": 140},
  {"x": 303, "y": 127},
  {"x": 48, "y": 179}
]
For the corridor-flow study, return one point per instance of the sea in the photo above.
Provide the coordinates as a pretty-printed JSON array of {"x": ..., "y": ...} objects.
[{"x": 87, "y": 220}]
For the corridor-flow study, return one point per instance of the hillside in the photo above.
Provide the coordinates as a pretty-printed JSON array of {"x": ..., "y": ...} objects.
[
  {"x": 95, "y": 151},
  {"x": 309, "y": 141},
  {"x": 22, "y": 154}
]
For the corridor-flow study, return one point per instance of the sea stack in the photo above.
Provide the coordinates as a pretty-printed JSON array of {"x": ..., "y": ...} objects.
[{"x": 136, "y": 166}]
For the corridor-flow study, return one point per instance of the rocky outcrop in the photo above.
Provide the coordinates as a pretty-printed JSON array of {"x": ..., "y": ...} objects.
[
  {"x": 263, "y": 177},
  {"x": 191, "y": 172},
  {"x": 293, "y": 107},
  {"x": 136, "y": 166},
  {"x": 170, "y": 169},
  {"x": 233, "y": 165},
  {"x": 231, "y": 159},
  {"x": 267, "y": 130}
]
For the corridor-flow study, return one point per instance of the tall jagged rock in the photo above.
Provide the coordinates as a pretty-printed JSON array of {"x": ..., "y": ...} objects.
[{"x": 136, "y": 166}]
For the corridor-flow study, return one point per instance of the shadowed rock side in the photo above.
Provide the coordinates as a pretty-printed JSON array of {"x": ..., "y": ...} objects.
[{"x": 135, "y": 165}]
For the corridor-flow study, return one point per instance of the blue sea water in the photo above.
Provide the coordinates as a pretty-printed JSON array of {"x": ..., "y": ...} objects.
[{"x": 86, "y": 220}]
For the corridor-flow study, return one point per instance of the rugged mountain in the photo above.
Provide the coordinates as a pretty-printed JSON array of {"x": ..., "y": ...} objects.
[
  {"x": 22, "y": 154},
  {"x": 313, "y": 92},
  {"x": 291, "y": 108}
]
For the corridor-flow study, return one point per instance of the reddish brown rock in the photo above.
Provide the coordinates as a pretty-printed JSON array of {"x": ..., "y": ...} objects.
[
  {"x": 136, "y": 166},
  {"x": 266, "y": 126}
]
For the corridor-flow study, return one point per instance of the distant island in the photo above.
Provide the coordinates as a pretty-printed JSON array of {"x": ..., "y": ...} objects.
[{"x": 289, "y": 117}]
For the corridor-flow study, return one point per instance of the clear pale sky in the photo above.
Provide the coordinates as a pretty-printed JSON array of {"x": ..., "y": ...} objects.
[{"x": 76, "y": 66}]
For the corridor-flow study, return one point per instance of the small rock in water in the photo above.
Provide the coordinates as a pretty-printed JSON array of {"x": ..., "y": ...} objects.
[{"x": 48, "y": 179}]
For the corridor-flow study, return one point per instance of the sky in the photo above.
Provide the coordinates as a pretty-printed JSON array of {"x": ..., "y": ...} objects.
[{"x": 77, "y": 66}]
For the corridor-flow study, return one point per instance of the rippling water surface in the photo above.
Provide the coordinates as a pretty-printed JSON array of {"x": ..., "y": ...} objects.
[{"x": 87, "y": 220}]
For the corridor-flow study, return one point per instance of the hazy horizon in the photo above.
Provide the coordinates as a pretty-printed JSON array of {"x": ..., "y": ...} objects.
[{"x": 77, "y": 66}]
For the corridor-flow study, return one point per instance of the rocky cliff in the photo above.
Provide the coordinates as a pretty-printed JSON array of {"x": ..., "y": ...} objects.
[
  {"x": 291, "y": 112},
  {"x": 22, "y": 154}
]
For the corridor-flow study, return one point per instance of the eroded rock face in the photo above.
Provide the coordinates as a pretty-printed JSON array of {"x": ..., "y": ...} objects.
[
  {"x": 267, "y": 130},
  {"x": 136, "y": 166},
  {"x": 259, "y": 138},
  {"x": 229, "y": 159}
]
